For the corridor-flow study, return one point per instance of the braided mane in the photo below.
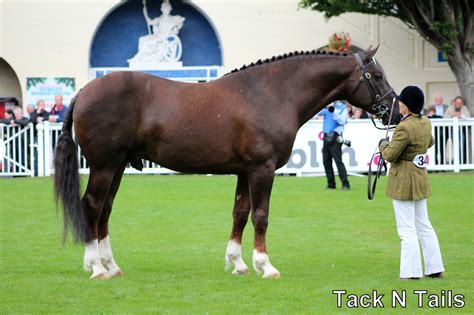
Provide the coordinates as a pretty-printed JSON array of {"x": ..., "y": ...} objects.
[{"x": 286, "y": 56}]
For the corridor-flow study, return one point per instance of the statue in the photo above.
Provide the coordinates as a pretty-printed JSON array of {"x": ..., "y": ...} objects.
[{"x": 162, "y": 46}]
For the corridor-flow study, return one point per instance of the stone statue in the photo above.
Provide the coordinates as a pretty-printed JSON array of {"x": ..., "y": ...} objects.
[{"x": 162, "y": 45}]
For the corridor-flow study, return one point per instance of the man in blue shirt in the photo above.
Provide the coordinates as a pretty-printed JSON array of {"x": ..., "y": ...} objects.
[{"x": 335, "y": 117}]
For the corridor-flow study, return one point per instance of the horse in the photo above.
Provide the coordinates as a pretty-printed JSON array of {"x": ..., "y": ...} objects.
[{"x": 243, "y": 123}]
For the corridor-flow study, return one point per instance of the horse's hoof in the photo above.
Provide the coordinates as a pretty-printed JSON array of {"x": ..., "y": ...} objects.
[
  {"x": 271, "y": 272},
  {"x": 272, "y": 275},
  {"x": 241, "y": 271},
  {"x": 115, "y": 273},
  {"x": 100, "y": 276}
]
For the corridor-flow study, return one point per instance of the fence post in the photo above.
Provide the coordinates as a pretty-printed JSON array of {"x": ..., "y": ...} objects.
[
  {"x": 456, "y": 144},
  {"x": 32, "y": 149},
  {"x": 47, "y": 149},
  {"x": 40, "y": 148}
]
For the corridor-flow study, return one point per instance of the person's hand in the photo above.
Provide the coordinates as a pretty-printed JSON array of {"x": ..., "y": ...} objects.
[
  {"x": 52, "y": 119},
  {"x": 383, "y": 140},
  {"x": 331, "y": 108},
  {"x": 39, "y": 119}
]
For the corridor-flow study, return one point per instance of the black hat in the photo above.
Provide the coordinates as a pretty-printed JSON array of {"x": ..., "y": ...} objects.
[{"x": 413, "y": 98}]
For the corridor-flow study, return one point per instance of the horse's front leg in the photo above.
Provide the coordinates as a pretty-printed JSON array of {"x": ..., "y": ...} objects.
[
  {"x": 260, "y": 185},
  {"x": 233, "y": 255}
]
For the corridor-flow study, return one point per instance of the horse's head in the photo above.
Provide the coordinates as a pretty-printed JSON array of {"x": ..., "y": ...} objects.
[{"x": 372, "y": 92}]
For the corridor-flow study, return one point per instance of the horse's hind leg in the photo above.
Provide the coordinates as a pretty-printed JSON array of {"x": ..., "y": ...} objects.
[
  {"x": 105, "y": 249},
  {"x": 260, "y": 185},
  {"x": 233, "y": 255},
  {"x": 96, "y": 194}
]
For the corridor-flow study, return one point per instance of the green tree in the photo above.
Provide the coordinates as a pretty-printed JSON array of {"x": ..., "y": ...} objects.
[{"x": 446, "y": 24}]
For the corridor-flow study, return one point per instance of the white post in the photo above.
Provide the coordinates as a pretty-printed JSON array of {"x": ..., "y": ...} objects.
[
  {"x": 32, "y": 149},
  {"x": 47, "y": 149},
  {"x": 456, "y": 144},
  {"x": 40, "y": 148}
]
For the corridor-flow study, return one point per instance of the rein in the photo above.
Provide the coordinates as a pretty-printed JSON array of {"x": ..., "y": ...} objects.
[{"x": 380, "y": 165}]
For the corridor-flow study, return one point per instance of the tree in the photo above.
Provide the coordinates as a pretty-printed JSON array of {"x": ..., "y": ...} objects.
[{"x": 446, "y": 24}]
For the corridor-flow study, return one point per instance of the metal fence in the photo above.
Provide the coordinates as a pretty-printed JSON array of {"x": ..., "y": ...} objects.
[{"x": 28, "y": 152}]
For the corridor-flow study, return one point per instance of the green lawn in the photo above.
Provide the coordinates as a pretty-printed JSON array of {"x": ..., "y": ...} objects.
[{"x": 169, "y": 235}]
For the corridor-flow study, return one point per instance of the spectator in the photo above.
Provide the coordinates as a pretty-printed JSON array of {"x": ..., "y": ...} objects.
[
  {"x": 29, "y": 109},
  {"x": 9, "y": 117},
  {"x": 14, "y": 117},
  {"x": 40, "y": 114},
  {"x": 20, "y": 119},
  {"x": 350, "y": 110},
  {"x": 359, "y": 113},
  {"x": 335, "y": 117},
  {"x": 440, "y": 107},
  {"x": 58, "y": 111},
  {"x": 431, "y": 112},
  {"x": 458, "y": 109}
]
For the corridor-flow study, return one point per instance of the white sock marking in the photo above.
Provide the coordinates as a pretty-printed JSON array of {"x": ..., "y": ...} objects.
[
  {"x": 107, "y": 257},
  {"x": 92, "y": 260},
  {"x": 233, "y": 257},
  {"x": 261, "y": 264}
]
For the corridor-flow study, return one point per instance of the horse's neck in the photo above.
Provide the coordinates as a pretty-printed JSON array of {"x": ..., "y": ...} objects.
[{"x": 311, "y": 82}]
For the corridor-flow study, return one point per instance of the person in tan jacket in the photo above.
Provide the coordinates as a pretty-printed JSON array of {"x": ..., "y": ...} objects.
[{"x": 408, "y": 186}]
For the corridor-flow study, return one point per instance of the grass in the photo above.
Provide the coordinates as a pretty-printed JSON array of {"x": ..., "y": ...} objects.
[{"x": 169, "y": 235}]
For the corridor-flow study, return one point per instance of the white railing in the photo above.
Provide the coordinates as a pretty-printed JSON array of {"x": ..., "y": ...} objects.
[
  {"x": 17, "y": 150},
  {"x": 453, "y": 150},
  {"x": 51, "y": 133}
]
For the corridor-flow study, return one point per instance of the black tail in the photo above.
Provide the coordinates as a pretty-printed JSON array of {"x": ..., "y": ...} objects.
[{"x": 66, "y": 180}]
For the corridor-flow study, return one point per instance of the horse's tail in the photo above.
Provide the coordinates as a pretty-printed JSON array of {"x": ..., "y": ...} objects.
[{"x": 66, "y": 180}]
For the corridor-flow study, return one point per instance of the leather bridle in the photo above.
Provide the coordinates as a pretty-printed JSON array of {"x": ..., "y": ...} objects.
[{"x": 379, "y": 107}]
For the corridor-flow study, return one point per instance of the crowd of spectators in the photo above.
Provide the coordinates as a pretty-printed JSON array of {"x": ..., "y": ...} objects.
[{"x": 35, "y": 115}]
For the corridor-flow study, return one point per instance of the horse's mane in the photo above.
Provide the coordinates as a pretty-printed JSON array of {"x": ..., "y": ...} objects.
[{"x": 286, "y": 56}]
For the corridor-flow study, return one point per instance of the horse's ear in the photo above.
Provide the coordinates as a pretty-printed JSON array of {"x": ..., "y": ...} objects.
[{"x": 369, "y": 53}]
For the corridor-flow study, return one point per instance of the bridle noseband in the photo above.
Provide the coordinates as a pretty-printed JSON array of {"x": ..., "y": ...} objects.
[{"x": 378, "y": 106}]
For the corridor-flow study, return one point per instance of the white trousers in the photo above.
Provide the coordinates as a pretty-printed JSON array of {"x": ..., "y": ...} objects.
[{"x": 413, "y": 225}]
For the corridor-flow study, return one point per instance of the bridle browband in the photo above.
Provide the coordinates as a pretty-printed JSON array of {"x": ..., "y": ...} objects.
[{"x": 378, "y": 106}]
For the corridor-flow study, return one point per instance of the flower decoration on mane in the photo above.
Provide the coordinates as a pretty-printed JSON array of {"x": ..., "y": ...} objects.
[{"x": 340, "y": 42}]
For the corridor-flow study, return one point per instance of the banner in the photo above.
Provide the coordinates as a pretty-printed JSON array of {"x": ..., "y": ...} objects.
[
  {"x": 307, "y": 156},
  {"x": 47, "y": 87}
]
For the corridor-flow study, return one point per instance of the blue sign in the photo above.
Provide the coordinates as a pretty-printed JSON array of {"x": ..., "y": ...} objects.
[{"x": 442, "y": 56}]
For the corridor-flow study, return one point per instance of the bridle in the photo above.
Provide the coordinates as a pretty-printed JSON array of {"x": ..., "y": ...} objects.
[{"x": 379, "y": 107}]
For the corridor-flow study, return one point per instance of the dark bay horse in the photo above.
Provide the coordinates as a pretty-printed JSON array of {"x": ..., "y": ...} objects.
[{"x": 244, "y": 123}]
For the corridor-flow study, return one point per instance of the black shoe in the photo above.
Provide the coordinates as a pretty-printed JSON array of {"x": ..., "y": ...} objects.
[
  {"x": 330, "y": 187},
  {"x": 412, "y": 278},
  {"x": 345, "y": 188},
  {"x": 435, "y": 275}
]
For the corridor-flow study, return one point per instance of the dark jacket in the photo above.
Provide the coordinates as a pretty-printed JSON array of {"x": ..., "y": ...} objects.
[{"x": 34, "y": 116}]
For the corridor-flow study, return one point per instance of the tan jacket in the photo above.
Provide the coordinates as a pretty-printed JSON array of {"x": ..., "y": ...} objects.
[{"x": 406, "y": 181}]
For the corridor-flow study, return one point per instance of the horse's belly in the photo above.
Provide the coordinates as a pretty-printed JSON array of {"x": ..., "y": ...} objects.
[{"x": 202, "y": 159}]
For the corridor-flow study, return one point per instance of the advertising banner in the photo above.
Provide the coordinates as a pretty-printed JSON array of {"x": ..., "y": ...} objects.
[
  {"x": 46, "y": 88},
  {"x": 307, "y": 157}
]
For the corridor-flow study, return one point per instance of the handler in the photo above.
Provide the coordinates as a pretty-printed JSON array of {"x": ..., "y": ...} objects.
[{"x": 408, "y": 187}]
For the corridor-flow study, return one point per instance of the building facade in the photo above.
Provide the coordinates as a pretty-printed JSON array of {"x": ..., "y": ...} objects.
[{"x": 84, "y": 39}]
